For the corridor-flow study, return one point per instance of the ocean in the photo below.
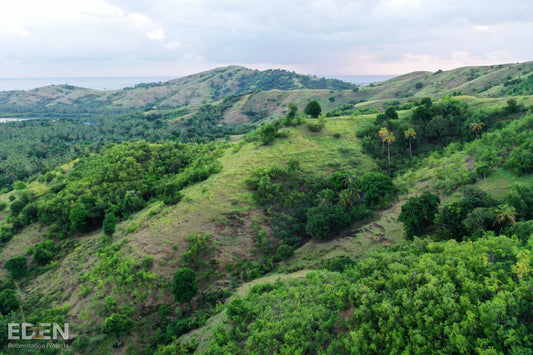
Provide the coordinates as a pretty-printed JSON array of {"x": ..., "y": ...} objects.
[
  {"x": 102, "y": 83},
  {"x": 115, "y": 83}
]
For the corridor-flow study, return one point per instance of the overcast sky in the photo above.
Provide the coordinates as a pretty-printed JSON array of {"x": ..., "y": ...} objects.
[{"x": 65, "y": 38}]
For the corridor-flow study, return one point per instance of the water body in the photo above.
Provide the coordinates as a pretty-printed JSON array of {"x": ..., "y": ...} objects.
[
  {"x": 363, "y": 79},
  {"x": 103, "y": 83}
]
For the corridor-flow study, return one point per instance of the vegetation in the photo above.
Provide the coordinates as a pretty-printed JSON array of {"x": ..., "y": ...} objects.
[
  {"x": 411, "y": 298},
  {"x": 184, "y": 286},
  {"x": 210, "y": 215}
]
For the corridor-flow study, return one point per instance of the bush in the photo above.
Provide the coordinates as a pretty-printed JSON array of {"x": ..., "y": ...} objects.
[
  {"x": 44, "y": 252},
  {"x": 339, "y": 264},
  {"x": 17, "y": 266},
  {"x": 8, "y": 301},
  {"x": 118, "y": 325},
  {"x": 3, "y": 206},
  {"x": 184, "y": 286},
  {"x": 109, "y": 224},
  {"x": 323, "y": 220},
  {"x": 285, "y": 251},
  {"x": 316, "y": 126}
]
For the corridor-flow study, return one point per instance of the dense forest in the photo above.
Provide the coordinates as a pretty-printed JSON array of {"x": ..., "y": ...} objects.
[{"x": 389, "y": 225}]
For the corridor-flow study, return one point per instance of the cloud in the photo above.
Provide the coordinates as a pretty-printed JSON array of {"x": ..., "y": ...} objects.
[{"x": 319, "y": 36}]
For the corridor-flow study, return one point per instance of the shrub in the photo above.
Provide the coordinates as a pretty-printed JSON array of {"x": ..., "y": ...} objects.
[
  {"x": 8, "y": 301},
  {"x": 184, "y": 286},
  {"x": 285, "y": 251},
  {"x": 118, "y": 325},
  {"x": 44, "y": 252},
  {"x": 17, "y": 266},
  {"x": 19, "y": 185},
  {"x": 109, "y": 224},
  {"x": 323, "y": 220},
  {"x": 316, "y": 126}
]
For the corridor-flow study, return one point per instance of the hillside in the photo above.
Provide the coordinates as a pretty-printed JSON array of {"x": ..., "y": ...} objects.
[
  {"x": 192, "y": 90},
  {"x": 171, "y": 231},
  {"x": 263, "y": 86}
]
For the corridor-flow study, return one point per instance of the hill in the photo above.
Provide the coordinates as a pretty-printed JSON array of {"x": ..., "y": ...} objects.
[
  {"x": 217, "y": 84},
  {"x": 299, "y": 234},
  {"x": 192, "y": 90}
]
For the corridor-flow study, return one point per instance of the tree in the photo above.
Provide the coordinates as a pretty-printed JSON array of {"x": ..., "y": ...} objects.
[
  {"x": 44, "y": 252},
  {"x": 504, "y": 214},
  {"x": 410, "y": 135},
  {"x": 118, "y": 325},
  {"x": 348, "y": 197},
  {"x": 78, "y": 218},
  {"x": 184, "y": 286},
  {"x": 476, "y": 127},
  {"x": 8, "y": 301},
  {"x": 378, "y": 188},
  {"x": 268, "y": 133},
  {"x": 109, "y": 224},
  {"x": 418, "y": 214},
  {"x": 313, "y": 109},
  {"x": 293, "y": 109},
  {"x": 387, "y": 137},
  {"x": 382, "y": 133},
  {"x": 391, "y": 113},
  {"x": 17, "y": 266},
  {"x": 480, "y": 218},
  {"x": 483, "y": 169},
  {"x": 512, "y": 106}
]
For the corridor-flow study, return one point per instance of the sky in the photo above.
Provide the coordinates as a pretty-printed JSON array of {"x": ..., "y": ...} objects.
[{"x": 109, "y": 38}]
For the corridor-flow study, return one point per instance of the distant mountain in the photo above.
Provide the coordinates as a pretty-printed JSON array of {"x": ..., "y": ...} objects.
[
  {"x": 209, "y": 86},
  {"x": 270, "y": 90}
]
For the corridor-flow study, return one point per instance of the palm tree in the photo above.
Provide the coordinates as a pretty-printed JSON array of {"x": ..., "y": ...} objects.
[
  {"x": 348, "y": 197},
  {"x": 382, "y": 132},
  {"x": 410, "y": 134},
  {"x": 476, "y": 127},
  {"x": 505, "y": 214},
  {"x": 388, "y": 137}
]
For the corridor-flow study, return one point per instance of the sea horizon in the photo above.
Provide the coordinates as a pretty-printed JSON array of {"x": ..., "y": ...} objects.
[{"x": 117, "y": 83}]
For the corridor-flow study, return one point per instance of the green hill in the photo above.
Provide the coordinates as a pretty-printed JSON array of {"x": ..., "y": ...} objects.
[{"x": 290, "y": 226}]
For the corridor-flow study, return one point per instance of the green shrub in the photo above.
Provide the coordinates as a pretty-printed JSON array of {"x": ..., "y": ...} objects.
[
  {"x": 323, "y": 220},
  {"x": 44, "y": 252},
  {"x": 285, "y": 251},
  {"x": 18, "y": 266},
  {"x": 316, "y": 126},
  {"x": 184, "y": 286},
  {"x": 8, "y": 301}
]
